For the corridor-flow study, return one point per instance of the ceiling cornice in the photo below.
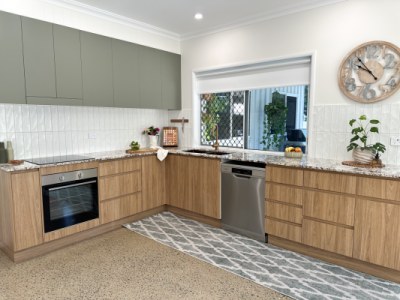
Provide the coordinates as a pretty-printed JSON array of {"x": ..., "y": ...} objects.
[
  {"x": 109, "y": 16},
  {"x": 103, "y": 14},
  {"x": 288, "y": 10}
]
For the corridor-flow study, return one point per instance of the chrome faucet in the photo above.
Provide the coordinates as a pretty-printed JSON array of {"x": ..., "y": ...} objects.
[{"x": 216, "y": 144}]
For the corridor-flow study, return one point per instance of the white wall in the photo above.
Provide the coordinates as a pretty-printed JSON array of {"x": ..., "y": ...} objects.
[
  {"x": 330, "y": 32},
  {"x": 76, "y": 18}
]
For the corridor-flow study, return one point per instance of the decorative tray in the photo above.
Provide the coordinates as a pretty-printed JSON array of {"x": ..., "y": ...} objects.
[
  {"x": 373, "y": 164},
  {"x": 142, "y": 150}
]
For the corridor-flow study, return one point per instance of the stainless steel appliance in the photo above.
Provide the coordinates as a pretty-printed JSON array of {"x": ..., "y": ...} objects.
[
  {"x": 69, "y": 198},
  {"x": 242, "y": 198}
]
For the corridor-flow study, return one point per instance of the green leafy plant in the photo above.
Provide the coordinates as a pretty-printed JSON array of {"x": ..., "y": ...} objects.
[
  {"x": 274, "y": 123},
  {"x": 215, "y": 104},
  {"x": 361, "y": 130},
  {"x": 134, "y": 145}
]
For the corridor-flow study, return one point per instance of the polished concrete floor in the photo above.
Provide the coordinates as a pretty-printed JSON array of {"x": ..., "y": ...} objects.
[{"x": 122, "y": 265}]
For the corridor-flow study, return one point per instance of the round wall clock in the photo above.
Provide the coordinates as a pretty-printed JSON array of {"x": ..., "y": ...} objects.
[{"x": 370, "y": 72}]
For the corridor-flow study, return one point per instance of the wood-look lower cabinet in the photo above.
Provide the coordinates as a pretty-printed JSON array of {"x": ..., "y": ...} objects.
[
  {"x": 355, "y": 216},
  {"x": 377, "y": 233},
  {"x": 194, "y": 184},
  {"x": 153, "y": 182},
  {"x": 120, "y": 184},
  {"x": 21, "y": 219},
  {"x": 284, "y": 203}
]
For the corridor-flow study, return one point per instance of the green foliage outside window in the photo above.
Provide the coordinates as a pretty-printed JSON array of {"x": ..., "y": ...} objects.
[
  {"x": 274, "y": 123},
  {"x": 210, "y": 115}
]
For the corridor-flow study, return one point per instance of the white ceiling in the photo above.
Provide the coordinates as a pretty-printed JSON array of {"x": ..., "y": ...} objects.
[{"x": 175, "y": 17}]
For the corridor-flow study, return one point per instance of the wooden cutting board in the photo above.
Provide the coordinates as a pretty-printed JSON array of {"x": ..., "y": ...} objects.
[{"x": 142, "y": 150}]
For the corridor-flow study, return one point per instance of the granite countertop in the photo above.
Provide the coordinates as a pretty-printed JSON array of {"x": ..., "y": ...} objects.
[{"x": 389, "y": 171}]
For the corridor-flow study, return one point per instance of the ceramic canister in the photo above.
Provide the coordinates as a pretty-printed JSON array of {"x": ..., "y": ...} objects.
[{"x": 10, "y": 151}]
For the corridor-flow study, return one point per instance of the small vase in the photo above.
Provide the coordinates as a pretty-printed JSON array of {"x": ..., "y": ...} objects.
[
  {"x": 363, "y": 156},
  {"x": 153, "y": 139}
]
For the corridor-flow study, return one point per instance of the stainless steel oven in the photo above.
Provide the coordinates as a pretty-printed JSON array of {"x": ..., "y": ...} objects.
[{"x": 69, "y": 198}]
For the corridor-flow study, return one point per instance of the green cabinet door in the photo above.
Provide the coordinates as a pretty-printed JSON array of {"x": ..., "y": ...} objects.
[
  {"x": 67, "y": 51},
  {"x": 171, "y": 80},
  {"x": 97, "y": 70},
  {"x": 150, "y": 77},
  {"x": 12, "y": 80},
  {"x": 39, "y": 58},
  {"x": 126, "y": 74}
]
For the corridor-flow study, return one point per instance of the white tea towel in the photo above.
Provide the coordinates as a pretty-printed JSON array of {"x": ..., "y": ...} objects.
[{"x": 161, "y": 154}]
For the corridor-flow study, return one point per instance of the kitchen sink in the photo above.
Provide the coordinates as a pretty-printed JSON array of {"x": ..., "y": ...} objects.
[{"x": 204, "y": 151}]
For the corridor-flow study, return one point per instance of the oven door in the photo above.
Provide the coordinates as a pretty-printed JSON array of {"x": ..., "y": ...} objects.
[{"x": 66, "y": 204}]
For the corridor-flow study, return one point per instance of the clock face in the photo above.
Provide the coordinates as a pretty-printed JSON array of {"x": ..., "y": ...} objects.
[{"x": 370, "y": 72}]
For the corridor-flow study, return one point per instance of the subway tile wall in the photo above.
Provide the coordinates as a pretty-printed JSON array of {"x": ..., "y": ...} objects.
[
  {"x": 39, "y": 130},
  {"x": 185, "y": 135},
  {"x": 331, "y": 132}
]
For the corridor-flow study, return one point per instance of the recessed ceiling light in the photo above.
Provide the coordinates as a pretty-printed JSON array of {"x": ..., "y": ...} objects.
[{"x": 198, "y": 16}]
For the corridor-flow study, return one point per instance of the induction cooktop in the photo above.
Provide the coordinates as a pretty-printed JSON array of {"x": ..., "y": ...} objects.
[{"x": 57, "y": 159}]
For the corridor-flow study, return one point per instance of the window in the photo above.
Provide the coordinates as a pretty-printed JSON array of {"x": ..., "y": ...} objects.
[
  {"x": 259, "y": 119},
  {"x": 260, "y": 106}
]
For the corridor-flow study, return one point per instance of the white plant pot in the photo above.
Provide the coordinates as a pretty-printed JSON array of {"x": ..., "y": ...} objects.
[
  {"x": 363, "y": 156},
  {"x": 153, "y": 141}
]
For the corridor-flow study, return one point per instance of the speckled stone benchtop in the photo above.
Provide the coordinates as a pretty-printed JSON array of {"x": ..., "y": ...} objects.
[{"x": 389, "y": 171}]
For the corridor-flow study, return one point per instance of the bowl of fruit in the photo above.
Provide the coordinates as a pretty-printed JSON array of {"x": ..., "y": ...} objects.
[{"x": 293, "y": 152}]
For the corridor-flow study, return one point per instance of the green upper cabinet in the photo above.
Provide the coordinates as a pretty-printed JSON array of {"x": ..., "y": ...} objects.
[
  {"x": 53, "y": 69},
  {"x": 97, "y": 70},
  {"x": 171, "y": 80},
  {"x": 67, "y": 54},
  {"x": 39, "y": 58},
  {"x": 126, "y": 74},
  {"x": 45, "y": 63},
  {"x": 12, "y": 80},
  {"x": 150, "y": 77}
]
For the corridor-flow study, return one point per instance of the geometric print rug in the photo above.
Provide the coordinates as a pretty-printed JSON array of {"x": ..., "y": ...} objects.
[{"x": 289, "y": 273}]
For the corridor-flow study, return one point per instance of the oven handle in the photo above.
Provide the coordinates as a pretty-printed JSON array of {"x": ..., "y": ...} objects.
[{"x": 71, "y": 185}]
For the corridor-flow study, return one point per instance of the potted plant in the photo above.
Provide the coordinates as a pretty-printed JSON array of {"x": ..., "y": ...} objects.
[
  {"x": 361, "y": 129},
  {"x": 152, "y": 133}
]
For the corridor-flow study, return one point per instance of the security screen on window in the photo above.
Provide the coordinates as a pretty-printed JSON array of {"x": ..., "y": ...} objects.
[{"x": 260, "y": 119}]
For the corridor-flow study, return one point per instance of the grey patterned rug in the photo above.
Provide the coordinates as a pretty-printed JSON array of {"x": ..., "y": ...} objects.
[{"x": 286, "y": 272}]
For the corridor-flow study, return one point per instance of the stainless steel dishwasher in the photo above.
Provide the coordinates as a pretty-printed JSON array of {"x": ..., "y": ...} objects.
[{"x": 242, "y": 198}]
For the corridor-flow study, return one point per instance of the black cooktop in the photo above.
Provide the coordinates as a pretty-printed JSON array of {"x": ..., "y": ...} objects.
[{"x": 56, "y": 159}]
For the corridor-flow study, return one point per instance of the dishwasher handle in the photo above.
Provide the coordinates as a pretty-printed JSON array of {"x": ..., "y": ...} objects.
[{"x": 242, "y": 172}]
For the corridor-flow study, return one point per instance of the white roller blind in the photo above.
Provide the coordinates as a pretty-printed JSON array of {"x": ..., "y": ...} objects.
[{"x": 254, "y": 76}]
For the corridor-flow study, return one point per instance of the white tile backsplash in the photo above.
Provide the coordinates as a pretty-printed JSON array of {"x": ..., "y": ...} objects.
[
  {"x": 331, "y": 130},
  {"x": 41, "y": 130}
]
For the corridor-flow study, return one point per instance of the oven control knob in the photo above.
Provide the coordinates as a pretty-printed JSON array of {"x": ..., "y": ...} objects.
[
  {"x": 61, "y": 178},
  {"x": 79, "y": 175}
]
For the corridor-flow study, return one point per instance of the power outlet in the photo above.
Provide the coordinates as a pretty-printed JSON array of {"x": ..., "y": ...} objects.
[
  {"x": 395, "y": 141},
  {"x": 92, "y": 135}
]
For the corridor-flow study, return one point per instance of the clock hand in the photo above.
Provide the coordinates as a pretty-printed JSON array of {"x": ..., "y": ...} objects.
[
  {"x": 367, "y": 69},
  {"x": 361, "y": 67}
]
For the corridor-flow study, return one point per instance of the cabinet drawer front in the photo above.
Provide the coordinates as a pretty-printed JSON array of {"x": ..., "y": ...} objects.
[
  {"x": 284, "y": 175},
  {"x": 379, "y": 188},
  {"x": 119, "y": 166},
  {"x": 328, "y": 237},
  {"x": 284, "y": 212},
  {"x": 283, "y": 230},
  {"x": 283, "y": 193},
  {"x": 330, "y": 182},
  {"x": 329, "y": 207},
  {"x": 119, "y": 185},
  {"x": 119, "y": 208}
]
